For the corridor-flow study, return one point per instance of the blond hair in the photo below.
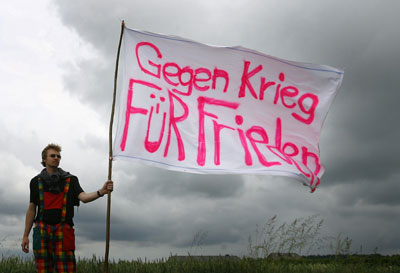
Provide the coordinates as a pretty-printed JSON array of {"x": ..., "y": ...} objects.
[{"x": 48, "y": 147}]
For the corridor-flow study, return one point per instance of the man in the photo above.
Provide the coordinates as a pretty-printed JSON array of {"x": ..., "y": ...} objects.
[{"x": 54, "y": 193}]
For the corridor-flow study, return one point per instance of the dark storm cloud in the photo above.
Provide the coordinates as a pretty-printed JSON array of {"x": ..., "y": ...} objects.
[
  {"x": 98, "y": 22},
  {"x": 152, "y": 180},
  {"x": 153, "y": 206},
  {"x": 12, "y": 207},
  {"x": 92, "y": 82},
  {"x": 372, "y": 192},
  {"x": 358, "y": 143},
  {"x": 175, "y": 235},
  {"x": 151, "y": 221},
  {"x": 363, "y": 129},
  {"x": 184, "y": 215}
]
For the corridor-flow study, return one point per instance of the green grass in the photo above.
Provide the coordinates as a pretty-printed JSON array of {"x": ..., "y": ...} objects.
[
  {"x": 301, "y": 236},
  {"x": 342, "y": 264}
]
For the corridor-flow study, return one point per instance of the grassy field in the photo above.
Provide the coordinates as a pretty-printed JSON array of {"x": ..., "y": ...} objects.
[
  {"x": 342, "y": 264},
  {"x": 301, "y": 236}
]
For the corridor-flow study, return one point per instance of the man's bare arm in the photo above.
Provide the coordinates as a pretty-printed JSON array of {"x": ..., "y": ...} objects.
[
  {"x": 89, "y": 197},
  {"x": 30, "y": 216}
]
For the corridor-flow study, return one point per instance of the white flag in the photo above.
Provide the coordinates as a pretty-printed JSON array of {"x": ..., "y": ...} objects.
[{"x": 187, "y": 106}]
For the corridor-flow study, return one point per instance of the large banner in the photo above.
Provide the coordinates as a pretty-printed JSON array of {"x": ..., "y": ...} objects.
[{"x": 191, "y": 107}]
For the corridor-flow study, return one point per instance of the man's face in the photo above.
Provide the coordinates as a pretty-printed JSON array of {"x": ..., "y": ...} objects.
[{"x": 52, "y": 159}]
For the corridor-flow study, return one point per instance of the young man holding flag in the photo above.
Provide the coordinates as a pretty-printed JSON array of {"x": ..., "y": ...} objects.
[{"x": 54, "y": 193}]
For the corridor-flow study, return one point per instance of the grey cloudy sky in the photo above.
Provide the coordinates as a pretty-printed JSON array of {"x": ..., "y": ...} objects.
[{"x": 56, "y": 81}]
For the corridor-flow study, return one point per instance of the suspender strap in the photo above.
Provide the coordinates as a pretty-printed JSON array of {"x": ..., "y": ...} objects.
[
  {"x": 64, "y": 209},
  {"x": 41, "y": 197}
]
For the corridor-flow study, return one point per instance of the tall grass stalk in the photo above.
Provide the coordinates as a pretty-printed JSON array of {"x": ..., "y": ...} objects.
[{"x": 301, "y": 236}]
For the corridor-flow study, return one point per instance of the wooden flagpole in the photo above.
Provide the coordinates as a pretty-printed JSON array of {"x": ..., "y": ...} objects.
[{"x": 111, "y": 152}]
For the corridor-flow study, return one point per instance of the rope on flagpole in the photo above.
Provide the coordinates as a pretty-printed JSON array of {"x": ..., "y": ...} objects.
[{"x": 111, "y": 152}]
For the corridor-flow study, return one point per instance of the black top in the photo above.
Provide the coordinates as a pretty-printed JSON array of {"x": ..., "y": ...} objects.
[{"x": 53, "y": 216}]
